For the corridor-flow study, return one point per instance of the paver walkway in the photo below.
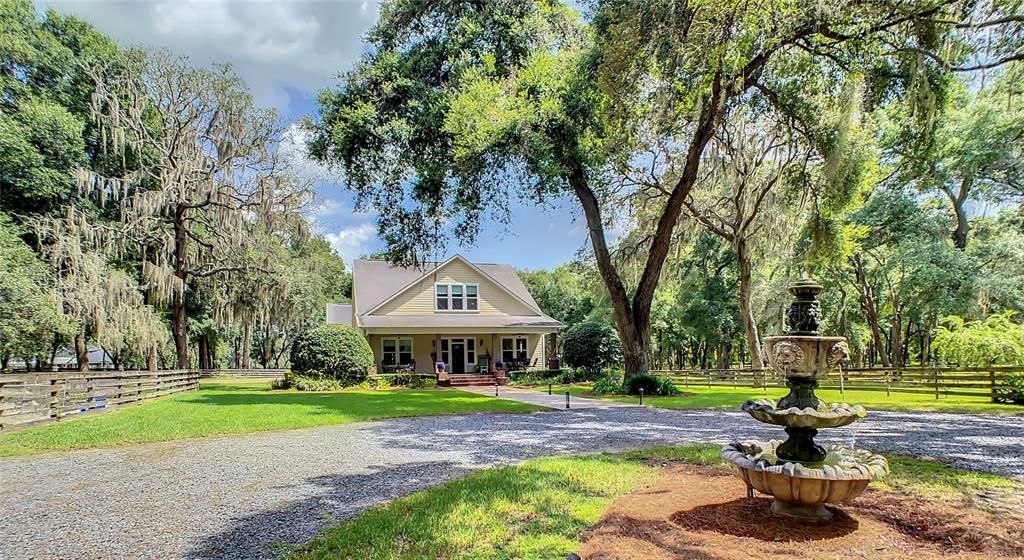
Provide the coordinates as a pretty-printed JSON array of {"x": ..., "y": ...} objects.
[
  {"x": 244, "y": 496},
  {"x": 556, "y": 400}
]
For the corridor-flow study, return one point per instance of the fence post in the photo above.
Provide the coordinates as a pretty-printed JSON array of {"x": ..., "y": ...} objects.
[
  {"x": 709, "y": 379},
  {"x": 60, "y": 400},
  {"x": 888, "y": 383},
  {"x": 992, "y": 383},
  {"x": 936, "y": 384}
]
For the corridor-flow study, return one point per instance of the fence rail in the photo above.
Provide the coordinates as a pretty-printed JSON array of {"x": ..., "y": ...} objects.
[
  {"x": 29, "y": 399},
  {"x": 268, "y": 373},
  {"x": 982, "y": 382}
]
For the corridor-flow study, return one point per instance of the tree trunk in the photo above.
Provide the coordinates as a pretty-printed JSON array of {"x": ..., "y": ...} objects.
[
  {"x": 746, "y": 310},
  {"x": 204, "y": 351},
  {"x": 959, "y": 201},
  {"x": 247, "y": 345},
  {"x": 633, "y": 317},
  {"x": 896, "y": 342},
  {"x": 179, "y": 323},
  {"x": 81, "y": 352},
  {"x": 867, "y": 305},
  {"x": 151, "y": 359}
]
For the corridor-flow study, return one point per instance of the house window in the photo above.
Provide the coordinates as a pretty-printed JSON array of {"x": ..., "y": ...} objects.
[
  {"x": 442, "y": 296},
  {"x": 396, "y": 351},
  {"x": 513, "y": 349},
  {"x": 457, "y": 297},
  {"x": 457, "y": 300}
]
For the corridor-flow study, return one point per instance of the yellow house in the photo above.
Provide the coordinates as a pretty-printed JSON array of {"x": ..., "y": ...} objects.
[{"x": 456, "y": 318}]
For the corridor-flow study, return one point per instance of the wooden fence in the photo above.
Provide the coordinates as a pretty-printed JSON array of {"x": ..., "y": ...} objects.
[
  {"x": 28, "y": 399},
  {"x": 981, "y": 382},
  {"x": 254, "y": 372}
]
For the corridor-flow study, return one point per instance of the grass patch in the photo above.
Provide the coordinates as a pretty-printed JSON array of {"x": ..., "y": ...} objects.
[
  {"x": 730, "y": 398},
  {"x": 534, "y": 510},
  {"x": 539, "y": 508},
  {"x": 930, "y": 479},
  {"x": 232, "y": 406}
]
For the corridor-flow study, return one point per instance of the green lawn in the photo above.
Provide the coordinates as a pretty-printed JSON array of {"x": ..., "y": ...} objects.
[
  {"x": 231, "y": 406},
  {"x": 539, "y": 508},
  {"x": 729, "y": 398}
]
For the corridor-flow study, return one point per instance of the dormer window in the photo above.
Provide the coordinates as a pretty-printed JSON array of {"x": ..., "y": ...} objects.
[{"x": 457, "y": 297}]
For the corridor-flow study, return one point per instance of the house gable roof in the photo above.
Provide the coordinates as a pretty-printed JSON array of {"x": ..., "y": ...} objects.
[{"x": 377, "y": 282}]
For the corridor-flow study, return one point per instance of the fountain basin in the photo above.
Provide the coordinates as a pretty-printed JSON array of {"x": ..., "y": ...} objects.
[
  {"x": 828, "y": 415},
  {"x": 805, "y": 356},
  {"x": 801, "y": 491}
]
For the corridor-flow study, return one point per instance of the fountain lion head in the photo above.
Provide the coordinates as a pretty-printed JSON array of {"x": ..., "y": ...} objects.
[
  {"x": 788, "y": 355},
  {"x": 838, "y": 354}
]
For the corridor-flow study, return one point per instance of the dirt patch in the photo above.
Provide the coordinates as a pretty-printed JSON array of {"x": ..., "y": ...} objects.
[{"x": 703, "y": 514}]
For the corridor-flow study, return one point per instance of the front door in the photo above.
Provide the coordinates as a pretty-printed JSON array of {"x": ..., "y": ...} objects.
[{"x": 458, "y": 355}]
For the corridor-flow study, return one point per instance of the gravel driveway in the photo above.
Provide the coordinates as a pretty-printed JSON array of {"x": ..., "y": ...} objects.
[{"x": 245, "y": 496}]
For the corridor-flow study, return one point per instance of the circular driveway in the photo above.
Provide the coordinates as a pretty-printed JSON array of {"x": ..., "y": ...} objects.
[{"x": 248, "y": 496}]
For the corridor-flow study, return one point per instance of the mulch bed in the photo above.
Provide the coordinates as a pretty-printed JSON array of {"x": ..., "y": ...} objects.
[{"x": 704, "y": 514}]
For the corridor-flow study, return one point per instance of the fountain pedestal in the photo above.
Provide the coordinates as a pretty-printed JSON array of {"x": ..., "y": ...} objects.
[{"x": 801, "y": 475}]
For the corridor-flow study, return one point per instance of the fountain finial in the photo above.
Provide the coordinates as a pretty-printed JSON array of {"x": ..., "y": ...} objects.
[{"x": 805, "y": 310}]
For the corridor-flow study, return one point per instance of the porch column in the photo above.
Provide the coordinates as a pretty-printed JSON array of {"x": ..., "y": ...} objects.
[
  {"x": 553, "y": 361},
  {"x": 442, "y": 376}
]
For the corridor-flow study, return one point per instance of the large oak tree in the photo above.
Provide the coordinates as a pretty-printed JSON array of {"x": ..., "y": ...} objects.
[{"x": 458, "y": 107}]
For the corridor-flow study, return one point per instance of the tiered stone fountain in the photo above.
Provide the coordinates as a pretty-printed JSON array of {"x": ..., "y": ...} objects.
[{"x": 802, "y": 475}]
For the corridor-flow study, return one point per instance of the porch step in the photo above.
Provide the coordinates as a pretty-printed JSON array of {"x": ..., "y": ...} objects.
[{"x": 463, "y": 380}]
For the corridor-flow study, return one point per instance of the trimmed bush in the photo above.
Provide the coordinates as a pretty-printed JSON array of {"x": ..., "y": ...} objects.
[
  {"x": 332, "y": 352},
  {"x": 651, "y": 384},
  {"x": 592, "y": 346}
]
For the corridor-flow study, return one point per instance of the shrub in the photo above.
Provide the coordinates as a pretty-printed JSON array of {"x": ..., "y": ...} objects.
[
  {"x": 592, "y": 346},
  {"x": 651, "y": 384},
  {"x": 667, "y": 387},
  {"x": 526, "y": 378},
  {"x": 1012, "y": 389},
  {"x": 410, "y": 380},
  {"x": 607, "y": 384},
  {"x": 333, "y": 352},
  {"x": 302, "y": 383}
]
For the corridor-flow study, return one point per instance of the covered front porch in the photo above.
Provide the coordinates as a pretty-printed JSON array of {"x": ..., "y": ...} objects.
[{"x": 458, "y": 352}]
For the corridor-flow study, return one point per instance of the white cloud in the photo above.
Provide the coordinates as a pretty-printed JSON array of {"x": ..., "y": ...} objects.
[
  {"x": 293, "y": 149},
  {"x": 352, "y": 242},
  {"x": 273, "y": 44}
]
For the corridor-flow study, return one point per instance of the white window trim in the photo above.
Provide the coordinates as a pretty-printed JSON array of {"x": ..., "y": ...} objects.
[
  {"x": 466, "y": 342},
  {"x": 465, "y": 297},
  {"x": 398, "y": 353},
  {"x": 501, "y": 347}
]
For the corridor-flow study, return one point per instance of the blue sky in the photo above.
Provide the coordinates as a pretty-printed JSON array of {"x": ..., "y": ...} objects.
[{"x": 288, "y": 50}]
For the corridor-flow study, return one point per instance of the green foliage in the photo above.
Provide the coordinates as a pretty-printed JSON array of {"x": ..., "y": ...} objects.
[
  {"x": 651, "y": 385},
  {"x": 609, "y": 383},
  {"x": 313, "y": 381},
  {"x": 29, "y": 317},
  {"x": 45, "y": 126},
  {"x": 592, "y": 346},
  {"x": 332, "y": 352},
  {"x": 1011, "y": 390},
  {"x": 564, "y": 293},
  {"x": 997, "y": 339}
]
